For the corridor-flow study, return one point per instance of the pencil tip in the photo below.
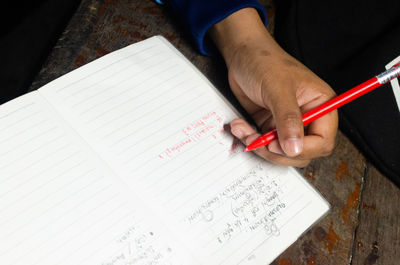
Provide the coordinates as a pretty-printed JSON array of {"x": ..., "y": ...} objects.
[{"x": 245, "y": 150}]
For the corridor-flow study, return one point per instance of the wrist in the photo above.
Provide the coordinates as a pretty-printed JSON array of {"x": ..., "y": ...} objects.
[{"x": 241, "y": 29}]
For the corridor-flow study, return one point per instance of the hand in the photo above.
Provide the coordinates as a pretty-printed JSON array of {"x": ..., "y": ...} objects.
[{"x": 275, "y": 89}]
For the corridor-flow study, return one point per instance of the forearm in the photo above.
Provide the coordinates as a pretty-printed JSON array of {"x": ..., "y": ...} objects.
[
  {"x": 198, "y": 16},
  {"x": 240, "y": 30}
]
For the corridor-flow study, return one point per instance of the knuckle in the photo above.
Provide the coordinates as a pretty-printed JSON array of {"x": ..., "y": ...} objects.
[
  {"x": 326, "y": 89},
  {"x": 330, "y": 92},
  {"x": 328, "y": 148},
  {"x": 291, "y": 118}
]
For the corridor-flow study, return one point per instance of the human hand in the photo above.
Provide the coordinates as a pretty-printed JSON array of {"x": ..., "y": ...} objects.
[{"x": 275, "y": 89}]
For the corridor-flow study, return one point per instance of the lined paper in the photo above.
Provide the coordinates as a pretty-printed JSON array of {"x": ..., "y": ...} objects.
[
  {"x": 59, "y": 204},
  {"x": 162, "y": 127}
]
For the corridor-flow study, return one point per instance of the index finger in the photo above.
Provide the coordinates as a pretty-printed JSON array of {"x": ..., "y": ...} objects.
[{"x": 320, "y": 135}]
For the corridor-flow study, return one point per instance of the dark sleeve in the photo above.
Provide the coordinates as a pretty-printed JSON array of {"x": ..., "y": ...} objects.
[{"x": 200, "y": 15}]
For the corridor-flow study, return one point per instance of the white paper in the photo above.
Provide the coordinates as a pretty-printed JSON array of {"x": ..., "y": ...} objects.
[
  {"x": 395, "y": 82},
  {"x": 59, "y": 203},
  {"x": 159, "y": 124}
]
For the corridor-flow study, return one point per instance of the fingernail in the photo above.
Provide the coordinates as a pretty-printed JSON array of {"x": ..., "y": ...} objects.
[
  {"x": 238, "y": 133},
  {"x": 274, "y": 147},
  {"x": 293, "y": 146}
]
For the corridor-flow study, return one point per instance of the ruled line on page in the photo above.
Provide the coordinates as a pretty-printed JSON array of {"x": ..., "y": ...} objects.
[
  {"x": 163, "y": 128},
  {"x": 105, "y": 67},
  {"x": 38, "y": 148},
  {"x": 139, "y": 230},
  {"x": 140, "y": 153},
  {"x": 159, "y": 177},
  {"x": 99, "y": 81},
  {"x": 150, "y": 122},
  {"x": 24, "y": 130},
  {"x": 114, "y": 86},
  {"x": 67, "y": 184},
  {"x": 130, "y": 111},
  {"x": 206, "y": 187},
  {"x": 38, "y": 246},
  {"x": 229, "y": 213},
  {"x": 196, "y": 169},
  {"x": 288, "y": 193},
  {"x": 48, "y": 181},
  {"x": 40, "y": 214},
  {"x": 130, "y": 133},
  {"x": 129, "y": 88},
  {"x": 118, "y": 141},
  {"x": 188, "y": 200},
  {"x": 56, "y": 162},
  {"x": 30, "y": 139},
  {"x": 133, "y": 120},
  {"x": 19, "y": 121},
  {"x": 259, "y": 245},
  {"x": 111, "y": 225},
  {"x": 105, "y": 229},
  {"x": 154, "y": 144},
  {"x": 35, "y": 163},
  {"x": 249, "y": 238},
  {"x": 34, "y": 169},
  {"x": 91, "y": 196},
  {"x": 17, "y": 110}
]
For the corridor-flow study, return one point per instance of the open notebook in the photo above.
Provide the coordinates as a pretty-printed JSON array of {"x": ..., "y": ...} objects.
[{"x": 125, "y": 161}]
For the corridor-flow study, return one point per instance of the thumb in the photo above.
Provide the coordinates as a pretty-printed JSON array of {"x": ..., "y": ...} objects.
[{"x": 289, "y": 124}]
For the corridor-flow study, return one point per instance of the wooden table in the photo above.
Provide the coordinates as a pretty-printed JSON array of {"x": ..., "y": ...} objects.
[{"x": 363, "y": 226}]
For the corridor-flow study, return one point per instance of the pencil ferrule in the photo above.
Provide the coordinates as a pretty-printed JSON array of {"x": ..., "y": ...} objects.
[{"x": 388, "y": 75}]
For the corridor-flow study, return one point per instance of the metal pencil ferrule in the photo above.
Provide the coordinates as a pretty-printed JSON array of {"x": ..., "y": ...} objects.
[{"x": 388, "y": 75}]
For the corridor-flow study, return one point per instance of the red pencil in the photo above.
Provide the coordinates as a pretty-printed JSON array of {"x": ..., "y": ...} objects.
[{"x": 333, "y": 104}]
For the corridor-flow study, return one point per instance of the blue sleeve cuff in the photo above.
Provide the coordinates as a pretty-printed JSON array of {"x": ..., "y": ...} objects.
[{"x": 200, "y": 15}]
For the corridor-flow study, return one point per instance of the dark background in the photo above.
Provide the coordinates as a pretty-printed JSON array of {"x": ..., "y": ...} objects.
[
  {"x": 362, "y": 227},
  {"x": 28, "y": 32}
]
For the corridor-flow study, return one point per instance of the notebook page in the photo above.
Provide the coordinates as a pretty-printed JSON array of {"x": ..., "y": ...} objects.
[
  {"x": 58, "y": 203},
  {"x": 162, "y": 127}
]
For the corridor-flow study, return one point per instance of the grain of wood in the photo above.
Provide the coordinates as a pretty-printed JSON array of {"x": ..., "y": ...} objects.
[
  {"x": 377, "y": 239},
  {"x": 363, "y": 224}
]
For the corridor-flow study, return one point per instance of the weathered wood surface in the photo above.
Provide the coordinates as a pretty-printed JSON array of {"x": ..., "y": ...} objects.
[{"x": 363, "y": 226}]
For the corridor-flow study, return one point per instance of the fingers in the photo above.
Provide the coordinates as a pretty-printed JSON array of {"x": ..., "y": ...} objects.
[
  {"x": 289, "y": 124},
  {"x": 242, "y": 130},
  {"x": 314, "y": 145},
  {"x": 275, "y": 90},
  {"x": 321, "y": 136}
]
